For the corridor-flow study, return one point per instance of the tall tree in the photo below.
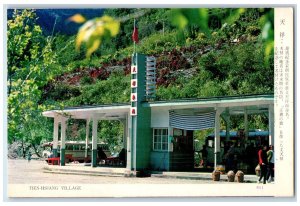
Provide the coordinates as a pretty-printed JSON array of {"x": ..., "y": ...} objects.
[{"x": 30, "y": 60}]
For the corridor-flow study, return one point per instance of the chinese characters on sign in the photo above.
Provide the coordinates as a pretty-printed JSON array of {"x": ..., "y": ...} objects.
[
  {"x": 283, "y": 82},
  {"x": 133, "y": 96},
  {"x": 133, "y": 111},
  {"x": 133, "y": 83},
  {"x": 134, "y": 69}
]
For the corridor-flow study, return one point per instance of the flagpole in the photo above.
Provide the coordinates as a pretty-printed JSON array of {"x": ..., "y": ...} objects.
[{"x": 134, "y": 46}]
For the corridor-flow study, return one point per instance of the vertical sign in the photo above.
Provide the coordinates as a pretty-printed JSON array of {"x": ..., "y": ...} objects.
[
  {"x": 283, "y": 96},
  {"x": 134, "y": 85}
]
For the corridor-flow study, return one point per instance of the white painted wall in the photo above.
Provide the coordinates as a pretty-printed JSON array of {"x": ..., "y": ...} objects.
[
  {"x": 128, "y": 142},
  {"x": 159, "y": 117}
]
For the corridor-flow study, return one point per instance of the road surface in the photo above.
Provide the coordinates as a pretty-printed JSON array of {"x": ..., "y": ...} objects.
[{"x": 24, "y": 172}]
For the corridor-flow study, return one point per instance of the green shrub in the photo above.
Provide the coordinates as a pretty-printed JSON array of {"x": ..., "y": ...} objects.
[{"x": 63, "y": 92}]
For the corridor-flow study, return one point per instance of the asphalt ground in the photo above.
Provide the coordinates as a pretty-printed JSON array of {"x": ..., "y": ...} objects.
[{"x": 21, "y": 171}]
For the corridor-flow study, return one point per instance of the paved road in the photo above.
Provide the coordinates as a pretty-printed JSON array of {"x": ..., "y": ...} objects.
[{"x": 24, "y": 172}]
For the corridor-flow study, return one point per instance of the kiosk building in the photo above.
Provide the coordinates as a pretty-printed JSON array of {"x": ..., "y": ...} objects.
[{"x": 158, "y": 135}]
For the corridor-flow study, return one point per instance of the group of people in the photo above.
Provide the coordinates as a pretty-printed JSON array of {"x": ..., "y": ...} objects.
[
  {"x": 264, "y": 156},
  {"x": 266, "y": 163}
]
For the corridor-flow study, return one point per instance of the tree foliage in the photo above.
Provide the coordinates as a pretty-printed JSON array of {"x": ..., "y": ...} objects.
[
  {"x": 92, "y": 31},
  {"x": 30, "y": 61},
  {"x": 95, "y": 31}
]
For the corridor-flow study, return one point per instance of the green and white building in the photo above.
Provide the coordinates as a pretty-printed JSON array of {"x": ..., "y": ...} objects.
[{"x": 152, "y": 128}]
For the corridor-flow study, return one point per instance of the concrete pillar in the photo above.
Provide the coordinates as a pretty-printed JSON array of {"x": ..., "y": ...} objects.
[
  {"x": 129, "y": 141},
  {"x": 133, "y": 143},
  {"x": 217, "y": 138},
  {"x": 94, "y": 142},
  {"x": 55, "y": 136},
  {"x": 87, "y": 134},
  {"x": 125, "y": 132},
  {"x": 125, "y": 136},
  {"x": 271, "y": 125},
  {"x": 63, "y": 142}
]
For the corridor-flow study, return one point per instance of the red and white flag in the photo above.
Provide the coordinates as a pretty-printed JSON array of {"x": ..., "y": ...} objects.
[{"x": 135, "y": 33}]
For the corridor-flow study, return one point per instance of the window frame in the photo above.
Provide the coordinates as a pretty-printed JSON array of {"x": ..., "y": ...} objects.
[{"x": 161, "y": 136}]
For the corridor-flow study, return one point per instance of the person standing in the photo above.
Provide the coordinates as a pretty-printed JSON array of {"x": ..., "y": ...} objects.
[
  {"x": 270, "y": 155},
  {"x": 29, "y": 156},
  {"x": 263, "y": 163}
]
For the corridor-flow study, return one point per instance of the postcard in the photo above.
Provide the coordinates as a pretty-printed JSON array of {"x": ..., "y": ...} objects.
[{"x": 149, "y": 102}]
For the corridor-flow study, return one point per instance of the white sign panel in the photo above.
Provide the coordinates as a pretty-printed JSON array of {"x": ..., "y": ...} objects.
[
  {"x": 134, "y": 69},
  {"x": 133, "y": 97},
  {"x": 133, "y": 111},
  {"x": 133, "y": 83}
]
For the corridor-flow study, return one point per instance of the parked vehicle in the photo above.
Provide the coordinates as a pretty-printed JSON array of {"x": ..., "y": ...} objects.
[
  {"x": 256, "y": 137},
  {"x": 74, "y": 150}
]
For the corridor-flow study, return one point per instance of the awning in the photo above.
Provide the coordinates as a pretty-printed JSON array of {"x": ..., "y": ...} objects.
[{"x": 197, "y": 121}]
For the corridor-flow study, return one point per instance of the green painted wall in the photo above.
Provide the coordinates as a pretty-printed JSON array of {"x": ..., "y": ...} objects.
[
  {"x": 144, "y": 138},
  {"x": 160, "y": 161},
  {"x": 143, "y": 119}
]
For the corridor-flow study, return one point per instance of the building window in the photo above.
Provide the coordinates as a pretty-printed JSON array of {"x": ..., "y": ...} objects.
[{"x": 160, "y": 139}]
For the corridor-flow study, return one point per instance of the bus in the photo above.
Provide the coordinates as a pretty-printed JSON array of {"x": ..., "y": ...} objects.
[
  {"x": 255, "y": 138},
  {"x": 75, "y": 150}
]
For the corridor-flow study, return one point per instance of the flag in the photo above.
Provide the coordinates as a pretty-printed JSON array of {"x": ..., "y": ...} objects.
[{"x": 135, "y": 33}]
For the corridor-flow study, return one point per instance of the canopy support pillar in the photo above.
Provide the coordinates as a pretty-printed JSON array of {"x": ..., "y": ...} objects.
[
  {"x": 94, "y": 142},
  {"x": 55, "y": 136},
  {"x": 125, "y": 132},
  {"x": 271, "y": 125},
  {"x": 63, "y": 141},
  {"x": 128, "y": 142},
  {"x": 87, "y": 134},
  {"x": 217, "y": 136}
]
